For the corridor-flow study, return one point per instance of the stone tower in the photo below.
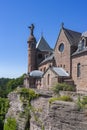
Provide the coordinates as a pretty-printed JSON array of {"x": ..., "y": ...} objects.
[{"x": 31, "y": 50}]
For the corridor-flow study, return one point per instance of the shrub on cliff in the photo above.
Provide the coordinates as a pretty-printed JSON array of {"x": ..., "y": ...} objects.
[
  {"x": 27, "y": 94},
  {"x": 10, "y": 124},
  {"x": 82, "y": 103},
  {"x": 61, "y": 98},
  {"x": 62, "y": 86}
]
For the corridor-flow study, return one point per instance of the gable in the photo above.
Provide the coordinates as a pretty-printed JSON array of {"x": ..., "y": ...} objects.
[
  {"x": 62, "y": 51},
  {"x": 58, "y": 71},
  {"x": 42, "y": 45},
  {"x": 62, "y": 39},
  {"x": 49, "y": 70},
  {"x": 73, "y": 37}
]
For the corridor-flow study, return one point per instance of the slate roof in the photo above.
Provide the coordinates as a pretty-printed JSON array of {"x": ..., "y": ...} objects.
[
  {"x": 36, "y": 73},
  {"x": 60, "y": 71},
  {"x": 42, "y": 45},
  {"x": 49, "y": 58},
  {"x": 73, "y": 36},
  {"x": 80, "y": 52}
]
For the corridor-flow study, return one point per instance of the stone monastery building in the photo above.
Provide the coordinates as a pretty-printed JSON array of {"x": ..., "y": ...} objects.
[{"x": 67, "y": 62}]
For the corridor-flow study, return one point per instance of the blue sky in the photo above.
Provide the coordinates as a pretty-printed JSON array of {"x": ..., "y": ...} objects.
[{"x": 46, "y": 15}]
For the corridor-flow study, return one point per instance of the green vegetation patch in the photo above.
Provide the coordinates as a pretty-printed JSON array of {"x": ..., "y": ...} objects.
[
  {"x": 27, "y": 94},
  {"x": 8, "y": 85},
  {"x": 4, "y": 105},
  {"x": 62, "y": 86},
  {"x": 61, "y": 98},
  {"x": 82, "y": 103},
  {"x": 10, "y": 124}
]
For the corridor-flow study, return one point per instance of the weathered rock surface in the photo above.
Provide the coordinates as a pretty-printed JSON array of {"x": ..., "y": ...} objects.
[
  {"x": 16, "y": 110},
  {"x": 59, "y": 115}
]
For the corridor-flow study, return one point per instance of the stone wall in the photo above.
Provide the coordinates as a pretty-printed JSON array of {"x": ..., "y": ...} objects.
[
  {"x": 81, "y": 81},
  {"x": 59, "y": 115},
  {"x": 45, "y": 65},
  {"x": 48, "y": 82},
  {"x": 63, "y": 58}
]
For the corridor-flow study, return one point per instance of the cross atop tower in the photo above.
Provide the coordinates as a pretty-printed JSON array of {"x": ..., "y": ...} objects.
[{"x": 62, "y": 25}]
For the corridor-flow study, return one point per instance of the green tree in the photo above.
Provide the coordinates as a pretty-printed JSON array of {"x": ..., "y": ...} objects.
[
  {"x": 4, "y": 104},
  {"x": 14, "y": 83}
]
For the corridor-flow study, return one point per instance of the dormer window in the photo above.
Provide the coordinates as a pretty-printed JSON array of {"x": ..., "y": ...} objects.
[{"x": 81, "y": 45}]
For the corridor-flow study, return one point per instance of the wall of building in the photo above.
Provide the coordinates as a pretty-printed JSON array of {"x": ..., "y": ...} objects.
[
  {"x": 81, "y": 81},
  {"x": 45, "y": 66},
  {"x": 40, "y": 56},
  {"x": 48, "y": 80},
  {"x": 63, "y": 58}
]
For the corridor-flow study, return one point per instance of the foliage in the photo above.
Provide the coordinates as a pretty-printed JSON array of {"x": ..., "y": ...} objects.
[
  {"x": 14, "y": 83},
  {"x": 61, "y": 98},
  {"x": 28, "y": 94},
  {"x": 4, "y": 104},
  {"x": 10, "y": 124},
  {"x": 4, "y": 81},
  {"x": 3, "y": 87},
  {"x": 8, "y": 85},
  {"x": 62, "y": 86},
  {"x": 82, "y": 103}
]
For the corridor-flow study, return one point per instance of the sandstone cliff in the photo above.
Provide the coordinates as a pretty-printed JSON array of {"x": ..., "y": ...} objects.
[
  {"x": 58, "y": 115},
  {"x": 16, "y": 110}
]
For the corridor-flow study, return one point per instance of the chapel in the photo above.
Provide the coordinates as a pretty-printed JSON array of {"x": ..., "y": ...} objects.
[{"x": 66, "y": 62}]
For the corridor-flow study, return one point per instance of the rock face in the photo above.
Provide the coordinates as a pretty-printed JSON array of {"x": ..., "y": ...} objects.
[
  {"x": 16, "y": 110},
  {"x": 59, "y": 115}
]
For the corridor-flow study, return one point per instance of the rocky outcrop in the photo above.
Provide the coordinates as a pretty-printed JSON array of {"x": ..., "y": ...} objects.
[
  {"x": 16, "y": 110},
  {"x": 59, "y": 115}
]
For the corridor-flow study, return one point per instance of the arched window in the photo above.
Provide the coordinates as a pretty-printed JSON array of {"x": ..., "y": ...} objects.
[
  {"x": 48, "y": 79},
  {"x": 44, "y": 69},
  {"x": 83, "y": 43},
  {"x": 78, "y": 70}
]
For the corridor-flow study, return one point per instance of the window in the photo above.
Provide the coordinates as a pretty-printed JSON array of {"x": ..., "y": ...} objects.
[
  {"x": 40, "y": 69},
  {"x": 44, "y": 69},
  {"x": 39, "y": 56},
  {"x": 61, "y": 47},
  {"x": 78, "y": 70},
  {"x": 63, "y": 66},
  {"x": 48, "y": 79},
  {"x": 83, "y": 43}
]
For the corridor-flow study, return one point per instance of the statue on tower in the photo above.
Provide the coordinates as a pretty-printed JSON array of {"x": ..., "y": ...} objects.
[{"x": 31, "y": 29}]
